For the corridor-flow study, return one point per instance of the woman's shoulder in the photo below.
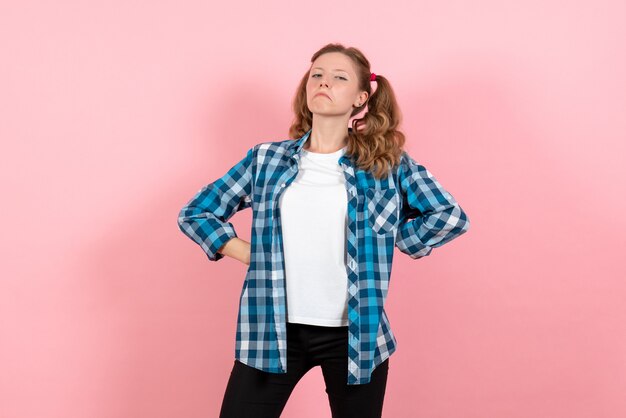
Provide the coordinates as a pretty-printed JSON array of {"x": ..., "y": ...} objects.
[
  {"x": 274, "y": 147},
  {"x": 409, "y": 167},
  {"x": 280, "y": 143}
]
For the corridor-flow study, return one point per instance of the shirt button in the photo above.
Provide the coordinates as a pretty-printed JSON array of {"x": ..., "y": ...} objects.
[
  {"x": 352, "y": 264},
  {"x": 282, "y": 185}
]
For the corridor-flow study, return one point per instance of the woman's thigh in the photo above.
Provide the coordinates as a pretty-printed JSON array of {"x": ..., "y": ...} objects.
[
  {"x": 328, "y": 347},
  {"x": 346, "y": 401},
  {"x": 253, "y": 393}
]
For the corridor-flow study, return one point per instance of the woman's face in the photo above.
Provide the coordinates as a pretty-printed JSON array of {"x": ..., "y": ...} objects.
[{"x": 332, "y": 88}]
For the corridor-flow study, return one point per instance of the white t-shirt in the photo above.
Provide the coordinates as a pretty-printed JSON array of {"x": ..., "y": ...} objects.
[{"x": 313, "y": 211}]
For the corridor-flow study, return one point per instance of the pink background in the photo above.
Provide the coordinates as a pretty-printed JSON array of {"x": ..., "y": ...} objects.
[{"x": 114, "y": 114}]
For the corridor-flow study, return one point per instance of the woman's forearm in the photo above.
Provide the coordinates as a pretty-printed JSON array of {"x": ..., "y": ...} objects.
[{"x": 237, "y": 249}]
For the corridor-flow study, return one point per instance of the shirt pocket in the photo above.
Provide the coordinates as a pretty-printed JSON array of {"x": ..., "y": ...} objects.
[{"x": 382, "y": 208}]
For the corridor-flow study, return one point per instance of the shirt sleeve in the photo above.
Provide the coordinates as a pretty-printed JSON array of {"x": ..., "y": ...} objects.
[
  {"x": 431, "y": 216},
  {"x": 205, "y": 217}
]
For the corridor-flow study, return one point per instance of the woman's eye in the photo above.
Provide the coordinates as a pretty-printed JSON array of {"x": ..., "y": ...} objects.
[{"x": 341, "y": 77}]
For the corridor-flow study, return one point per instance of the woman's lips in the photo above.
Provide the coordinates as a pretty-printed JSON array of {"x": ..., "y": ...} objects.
[{"x": 322, "y": 94}]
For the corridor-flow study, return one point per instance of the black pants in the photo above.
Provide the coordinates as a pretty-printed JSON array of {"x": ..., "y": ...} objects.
[{"x": 252, "y": 393}]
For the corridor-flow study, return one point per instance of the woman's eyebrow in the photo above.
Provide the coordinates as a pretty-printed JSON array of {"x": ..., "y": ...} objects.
[{"x": 336, "y": 69}]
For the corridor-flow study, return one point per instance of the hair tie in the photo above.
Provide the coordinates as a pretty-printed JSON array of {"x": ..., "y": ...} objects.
[{"x": 373, "y": 77}]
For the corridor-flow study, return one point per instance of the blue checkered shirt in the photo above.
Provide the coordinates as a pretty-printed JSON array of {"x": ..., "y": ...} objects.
[{"x": 409, "y": 210}]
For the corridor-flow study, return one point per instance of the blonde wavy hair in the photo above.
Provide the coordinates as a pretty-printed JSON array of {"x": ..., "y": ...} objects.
[{"x": 375, "y": 143}]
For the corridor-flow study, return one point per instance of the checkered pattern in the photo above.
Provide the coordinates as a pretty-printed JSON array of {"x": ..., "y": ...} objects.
[{"x": 408, "y": 210}]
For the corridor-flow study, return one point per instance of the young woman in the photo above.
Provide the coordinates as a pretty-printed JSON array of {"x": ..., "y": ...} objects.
[{"x": 329, "y": 207}]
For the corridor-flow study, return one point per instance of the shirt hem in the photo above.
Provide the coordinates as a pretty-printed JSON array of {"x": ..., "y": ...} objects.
[{"x": 318, "y": 321}]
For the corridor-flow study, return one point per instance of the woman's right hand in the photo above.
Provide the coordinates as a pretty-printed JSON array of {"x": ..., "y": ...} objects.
[
  {"x": 238, "y": 249},
  {"x": 248, "y": 253}
]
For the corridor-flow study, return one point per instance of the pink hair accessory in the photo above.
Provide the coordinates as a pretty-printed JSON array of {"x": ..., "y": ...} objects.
[{"x": 373, "y": 77}]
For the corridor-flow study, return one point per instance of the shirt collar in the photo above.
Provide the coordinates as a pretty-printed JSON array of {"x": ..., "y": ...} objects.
[{"x": 302, "y": 140}]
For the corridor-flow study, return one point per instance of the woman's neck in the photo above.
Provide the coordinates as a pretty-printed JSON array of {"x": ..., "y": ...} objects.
[{"x": 327, "y": 139}]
